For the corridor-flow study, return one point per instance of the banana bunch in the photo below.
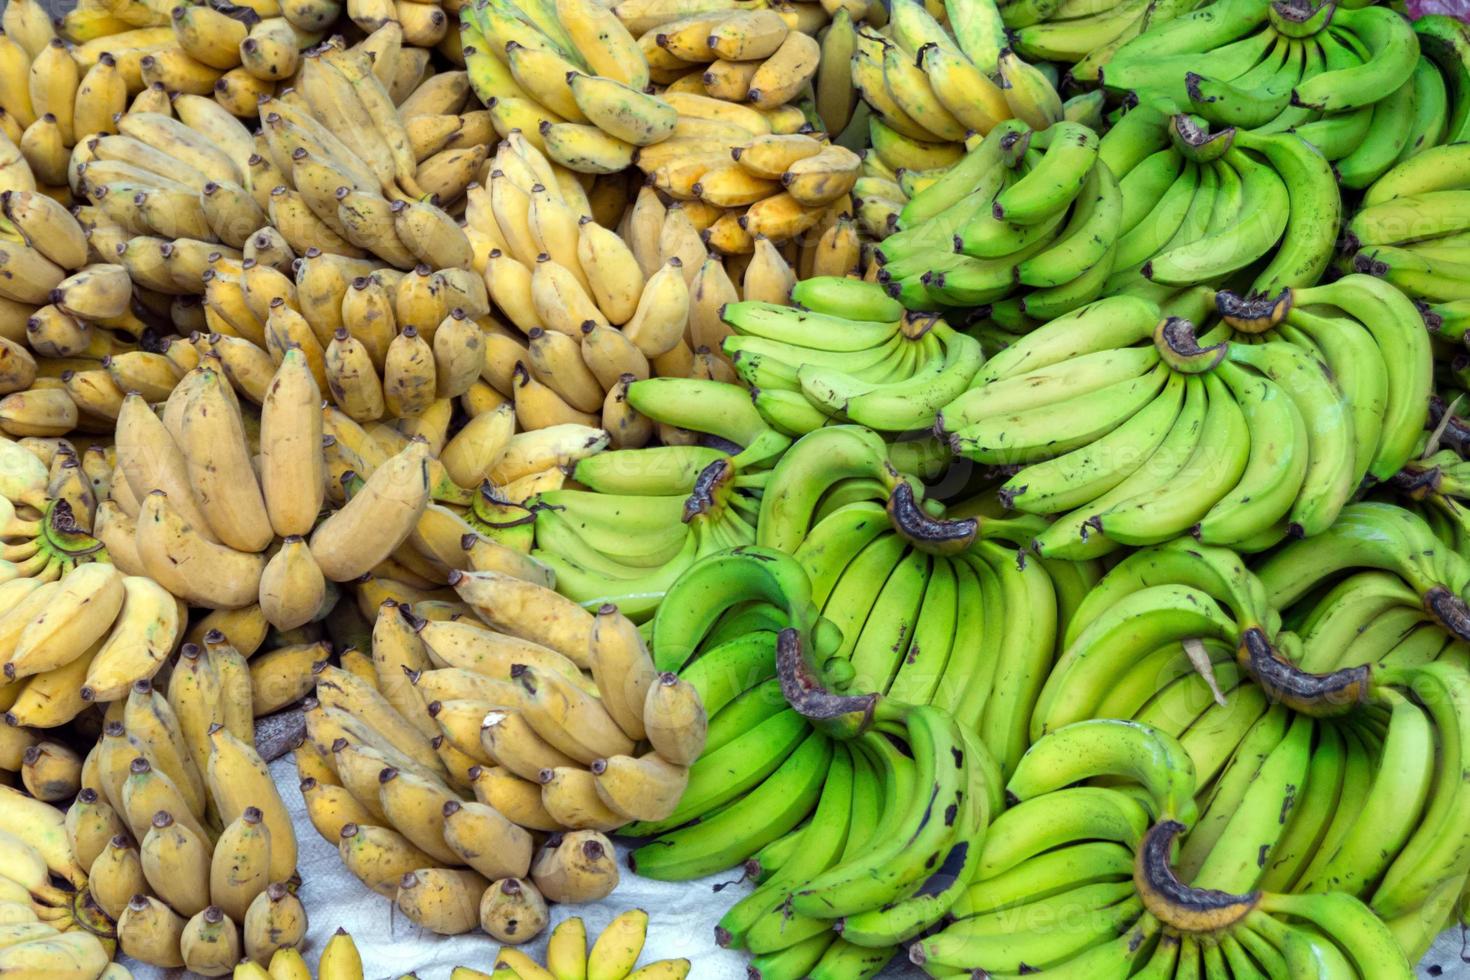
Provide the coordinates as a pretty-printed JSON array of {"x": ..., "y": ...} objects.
[
  {"x": 340, "y": 960},
  {"x": 126, "y": 49},
  {"x": 431, "y": 770},
  {"x": 1081, "y": 878},
  {"x": 874, "y": 853},
  {"x": 849, "y": 353},
  {"x": 85, "y": 637},
  {"x": 570, "y": 75},
  {"x": 186, "y": 841},
  {"x": 590, "y": 311},
  {"x": 930, "y": 85},
  {"x": 1201, "y": 207},
  {"x": 1195, "y": 412},
  {"x": 587, "y": 539},
  {"x": 43, "y": 543},
  {"x": 47, "y": 926},
  {"x": 289, "y": 178},
  {"x": 1348, "y": 81},
  {"x": 614, "y": 955},
  {"x": 1084, "y": 36},
  {"x": 904, "y": 588},
  {"x": 1261, "y": 713},
  {"x": 1039, "y": 208},
  {"x": 1406, "y": 232}
]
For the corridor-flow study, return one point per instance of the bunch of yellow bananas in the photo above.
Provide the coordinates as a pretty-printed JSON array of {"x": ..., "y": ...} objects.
[
  {"x": 614, "y": 956},
  {"x": 340, "y": 961},
  {"x": 46, "y": 930},
  {"x": 431, "y": 772}
]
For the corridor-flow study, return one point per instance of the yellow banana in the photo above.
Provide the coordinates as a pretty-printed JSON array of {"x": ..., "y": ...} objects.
[{"x": 579, "y": 867}]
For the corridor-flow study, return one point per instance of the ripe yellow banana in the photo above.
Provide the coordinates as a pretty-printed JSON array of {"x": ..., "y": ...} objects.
[
  {"x": 408, "y": 375},
  {"x": 91, "y": 823},
  {"x": 213, "y": 441},
  {"x": 659, "y": 322},
  {"x": 209, "y": 36},
  {"x": 578, "y": 867},
  {"x": 150, "y": 932},
  {"x": 144, "y": 633},
  {"x": 240, "y": 867},
  {"x": 330, "y": 808},
  {"x": 622, "y": 111},
  {"x": 176, "y": 864},
  {"x": 749, "y": 35},
  {"x": 644, "y": 788},
  {"x": 239, "y": 779},
  {"x": 75, "y": 617},
  {"x": 377, "y": 519},
  {"x": 154, "y": 730},
  {"x": 210, "y": 944},
  {"x": 487, "y": 840},
  {"x": 608, "y": 47},
  {"x": 513, "y": 911},
  {"x": 675, "y": 720},
  {"x": 117, "y": 875},
  {"x": 276, "y": 920},
  {"x": 292, "y": 587},
  {"x": 617, "y": 949},
  {"x": 379, "y": 857},
  {"x": 584, "y": 148},
  {"x": 517, "y": 798},
  {"x": 443, "y": 900},
  {"x": 218, "y": 576}
]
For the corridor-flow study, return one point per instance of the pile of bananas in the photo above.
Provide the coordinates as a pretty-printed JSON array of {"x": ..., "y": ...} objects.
[
  {"x": 919, "y": 807},
  {"x": 787, "y": 433},
  {"x": 613, "y": 956},
  {"x": 702, "y": 103},
  {"x": 850, "y": 353},
  {"x": 431, "y": 772},
  {"x": 1265, "y": 425}
]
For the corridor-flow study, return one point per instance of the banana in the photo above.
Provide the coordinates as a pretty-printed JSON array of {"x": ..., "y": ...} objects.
[
  {"x": 229, "y": 580},
  {"x": 395, "y": 493},
  {"x": 513, "y": 911},
  {"x": 576, "y": 867},
  {"x": 236, "y": 775},
  {"x": 210, "y": 943},
  {"x": 276, "y": 920},
  {"x": 213, "y": 442},
  {"x": 485, "y": 840},
  {"x": 176, "y": 864},
  {"x": 443, "y": 900},
  {"x": 240, "y": 866},
  {"x": 150, "y": 932},
  {"x": 77, "y": 615}
]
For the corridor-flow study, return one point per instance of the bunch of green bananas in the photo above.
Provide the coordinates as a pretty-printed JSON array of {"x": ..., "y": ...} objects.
[
  {"x": 890, "y": 840},
  {"x": 1409, "y": 231},
  {"x": 1318, "y": 752},
  {"x": 1348, "y": 80},
  {"x": 1083, "y": 34},
  {"x": 628, "y": 549},
  {"x": 1079, "y": 879},
  {"x": 1203, "y": 208},
  {"x": 849, "y": 353},
  {"x": 1037, "y": 208},
  {"x": 1267, "y": 423},
  {"x": 913, "y": 592}
]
